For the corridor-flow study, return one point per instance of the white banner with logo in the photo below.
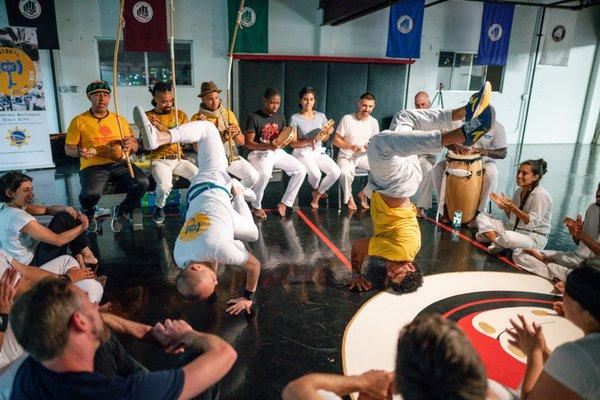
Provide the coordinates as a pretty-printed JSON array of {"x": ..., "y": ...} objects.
[
  {"x": 24, "y": 136},
  {"x": 558, "y": 36}
]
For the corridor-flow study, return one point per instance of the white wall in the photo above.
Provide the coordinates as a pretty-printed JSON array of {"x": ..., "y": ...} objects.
[{"x": 294, "y": 28}]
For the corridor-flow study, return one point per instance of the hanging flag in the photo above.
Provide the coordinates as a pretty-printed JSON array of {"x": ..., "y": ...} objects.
[
  {"x": 145, "y": 25},
  {"x": 404, "y": 32},
  {"x": 38, "y": 14},
  {"x": 558, "y": 36},
  {"x": 496, "y": 24},
  {"x": 253, "y": 34}
]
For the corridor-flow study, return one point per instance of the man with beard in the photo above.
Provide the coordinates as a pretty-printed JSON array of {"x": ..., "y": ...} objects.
[
  {"x": 552, "y": 264},
  {"x": 167, "y": 159},
  {"x": 61, "y": 330},
  {"x": 352, "y": 138},
  {"x": 212, "y": 110}
]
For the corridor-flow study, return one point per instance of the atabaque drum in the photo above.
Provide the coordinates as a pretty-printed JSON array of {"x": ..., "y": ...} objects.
[{"x": 464, "y": 182}]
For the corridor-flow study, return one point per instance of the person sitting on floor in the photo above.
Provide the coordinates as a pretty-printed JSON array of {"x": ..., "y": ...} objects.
[
  {"x": 308, "y": 148},
  {"x": 352, "y": 138},
  {"x": 556, "y": 265},
  {"x": 28, "y": 241},
  {"x": 529, "y": 213},
  {"x": 435, "y": 361},
  {"x": 62, "y": 331},
  {"x": 570, "y": 371}
]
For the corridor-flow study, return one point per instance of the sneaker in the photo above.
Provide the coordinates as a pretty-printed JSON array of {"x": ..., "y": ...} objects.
[
  {"x": 159, "y": 215},
  {"x": 494, "y": 249},
  {"x": 148, "y": 132},
  {"x": 101, "y": 212},
  {"x": 118, "y": 219},
  {"x": 478, "y": 102},
  {"x": 477, "y": 127},
  {"x": 93, "y": 225}
]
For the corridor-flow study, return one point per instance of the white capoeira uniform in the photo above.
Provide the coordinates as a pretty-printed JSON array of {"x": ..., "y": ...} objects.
[
  {"x": 393, "y": 155},
  {"x": 357, "y": 132},
  {"x": 493, "y": 140},
  {"x": 533, "y": 235},
  {"x": 563, "y": 261},
  {"x": 426, "y": 161},
  {"x": 315, "y": 159},
  {"x": 215, "y": 225},
  {"x": 11, "y": 349}
]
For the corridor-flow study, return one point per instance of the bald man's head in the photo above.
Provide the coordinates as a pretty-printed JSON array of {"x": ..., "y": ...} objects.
[{"x": 422, "y": 100}]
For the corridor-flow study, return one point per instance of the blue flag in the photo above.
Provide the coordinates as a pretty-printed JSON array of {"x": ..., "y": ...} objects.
[
  {"x": 404, "y": 32},
  {"x": 496, "y": 24}
]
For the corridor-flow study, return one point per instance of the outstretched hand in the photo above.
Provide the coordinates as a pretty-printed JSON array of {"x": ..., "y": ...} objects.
[
  {"x": 503, "y": 202},
  {"x": 360, "y": 283},
  {"x": 236, "y": 306},
  {"x": 8, "y": 291},
  {"x": 528, "y": 338}
]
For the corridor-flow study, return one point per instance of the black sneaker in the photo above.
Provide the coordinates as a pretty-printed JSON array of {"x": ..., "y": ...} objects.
[
  {"x": 159, "y": 215},
  {"x": 118, "y": 219}
]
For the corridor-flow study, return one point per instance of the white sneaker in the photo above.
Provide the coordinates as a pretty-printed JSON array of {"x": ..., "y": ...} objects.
[
  {"x": 102, "y": 212},
  {"x": 148, "y": 132}
]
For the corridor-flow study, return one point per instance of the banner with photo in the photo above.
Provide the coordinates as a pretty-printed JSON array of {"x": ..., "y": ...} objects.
[{"x": 24, "y": 137}]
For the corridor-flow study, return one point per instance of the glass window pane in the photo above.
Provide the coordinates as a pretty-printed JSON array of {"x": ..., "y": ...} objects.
[
  {"x": 159, "y": 65},
  {"x": 477, "y": 75},
  {"x": 445, "y": 68},
  {"x": 130, "y": 67},
  {"x": 462, "y": 71}
]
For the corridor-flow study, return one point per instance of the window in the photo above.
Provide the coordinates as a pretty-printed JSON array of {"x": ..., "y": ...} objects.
[
  {"x": 460, "y": 71},
  {"x": 145, "y": 68}
]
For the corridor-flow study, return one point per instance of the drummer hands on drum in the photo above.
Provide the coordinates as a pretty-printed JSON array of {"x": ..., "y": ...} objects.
[
  {"x": 462, "y": 149},
  {"x": 503, "y": 202}
]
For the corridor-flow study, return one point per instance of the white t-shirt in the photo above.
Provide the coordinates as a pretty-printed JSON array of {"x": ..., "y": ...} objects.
[
  {"x": 591, "y": 227},
  {"x": 539, "y": 208},
  {"x": 208, "y": 232},
  {"x": 577, "y": 366},
  {"x": 494, "y": 139},
  {"x": 355, "y": 131},
  {"x": 12, "y": 240}
]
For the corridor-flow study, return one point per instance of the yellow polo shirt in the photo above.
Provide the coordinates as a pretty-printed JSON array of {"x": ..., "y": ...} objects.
[
  {"x": 397, "y": 234},
  {"x": 167, "y": 120},
  {"x": 88, "y": 131}
]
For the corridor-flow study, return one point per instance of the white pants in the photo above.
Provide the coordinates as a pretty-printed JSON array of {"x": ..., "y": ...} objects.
[
  {"x": 564, "y": 262},
  {"x": 315, "y": 161},
  {"x": 508, "y": 238},
  {"x": 348, "y": 171},
  {"x": 163, "y": 171},
  {"x": 425, "y": 189},
  {"x": 264, "y": 161},
  {"x": 244, "y": 171},
  {"x": 60, "y": 266},
  {"x": 490, "y": 181}
]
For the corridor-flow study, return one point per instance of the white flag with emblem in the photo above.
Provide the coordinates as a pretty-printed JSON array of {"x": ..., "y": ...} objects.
[{"x": 558, "y": 36}]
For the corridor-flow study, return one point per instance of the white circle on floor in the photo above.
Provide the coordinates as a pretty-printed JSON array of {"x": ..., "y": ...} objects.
[{"x": 481, "y": 303}]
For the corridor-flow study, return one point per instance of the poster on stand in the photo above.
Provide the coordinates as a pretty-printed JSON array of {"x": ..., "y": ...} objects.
[{"x": 24, "y": 136}]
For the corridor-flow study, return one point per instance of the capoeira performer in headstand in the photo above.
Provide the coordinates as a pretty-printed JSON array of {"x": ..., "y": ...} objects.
[
  {"x": 215, "y": 223},
  {"x": 395, "y": 176}
]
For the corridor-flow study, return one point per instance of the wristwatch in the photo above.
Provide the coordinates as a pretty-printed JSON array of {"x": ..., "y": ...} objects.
[{"x": 3, "y": 322}]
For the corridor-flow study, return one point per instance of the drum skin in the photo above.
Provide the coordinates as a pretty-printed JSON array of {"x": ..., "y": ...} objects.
[{"x": 463, "y": 193}]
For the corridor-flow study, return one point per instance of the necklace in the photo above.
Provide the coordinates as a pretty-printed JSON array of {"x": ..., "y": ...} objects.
[{"x": 99, "y": 118}]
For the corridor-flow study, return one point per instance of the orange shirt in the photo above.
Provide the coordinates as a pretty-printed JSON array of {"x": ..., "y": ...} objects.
[
  {"x": 167, "y": 120},
  {"x": 88, "y": 131}
]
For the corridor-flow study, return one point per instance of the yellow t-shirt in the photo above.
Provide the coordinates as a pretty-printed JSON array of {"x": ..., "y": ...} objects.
[
  {"x": 397, "y": 234},
  {"x": 231, "y": 118},
  {"x": 167, "y": 120},
  {"x": 88, "y": 131}
]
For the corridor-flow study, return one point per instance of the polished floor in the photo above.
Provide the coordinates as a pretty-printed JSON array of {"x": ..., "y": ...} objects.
[{"x": 302, "y": 305}]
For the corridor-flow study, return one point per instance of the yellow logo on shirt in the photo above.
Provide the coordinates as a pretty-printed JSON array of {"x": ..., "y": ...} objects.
[{"x": 194, "y": 227}]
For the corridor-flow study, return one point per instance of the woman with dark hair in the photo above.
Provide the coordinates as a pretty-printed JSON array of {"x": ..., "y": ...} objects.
[
  {"x": 572, "y": 370},
  {"x": 308, "y": 148},
  {"x": 529, "y": 212},
  {"x": 30, "y": 242}
]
